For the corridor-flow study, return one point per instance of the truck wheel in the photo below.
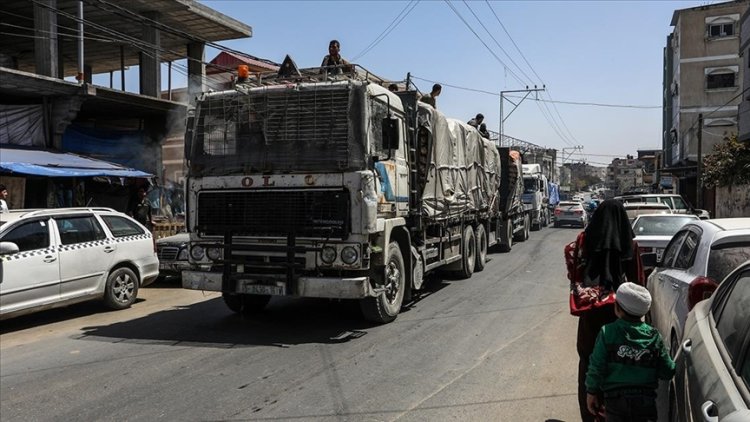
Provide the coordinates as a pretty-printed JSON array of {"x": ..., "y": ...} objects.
[
  {"x": 506, "y": 237},
  {"x": 526, "y": 228},
  {"x": 121, "y": 288},
  {"x": 481, "y": 248},
  {"x": 245, "y": 304},
  {"x": 386, "y": 306},
  {"x": 538, "y": 225},
  {"x": 469, "y": 253}
]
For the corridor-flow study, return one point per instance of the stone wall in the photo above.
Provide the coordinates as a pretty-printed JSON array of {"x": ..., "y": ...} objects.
[{"x": 732, "y": 201}]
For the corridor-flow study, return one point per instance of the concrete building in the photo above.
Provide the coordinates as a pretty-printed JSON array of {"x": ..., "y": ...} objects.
[
  {"x": 702, "y": 76},
  {"x": 650, "y": 159},
  {"x": 744, "y": 113},
  {"x": 47, "y": 96},
  {"x": 625, "y": 175}
]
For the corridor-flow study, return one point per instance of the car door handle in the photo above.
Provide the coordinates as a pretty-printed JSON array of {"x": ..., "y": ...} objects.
[
  {"x": 50, "y": 258},
  {"x": 109, "y": 249},
  {"x": 687, "y": 346},
  {"x": 709, "y": 412}
]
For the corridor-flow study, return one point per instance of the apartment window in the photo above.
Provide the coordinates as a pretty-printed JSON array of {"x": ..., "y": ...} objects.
[
  {"x": 717, "y": 78},
  {"x": 721, "y": 30},
  {"x": 724, "y": 26}
]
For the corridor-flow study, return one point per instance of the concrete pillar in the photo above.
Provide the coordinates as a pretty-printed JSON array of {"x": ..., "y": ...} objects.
[
  {"x": 150, "y": 60},
  {"x": 45, "y": 41},
  {"x": 196, "y": 70}
]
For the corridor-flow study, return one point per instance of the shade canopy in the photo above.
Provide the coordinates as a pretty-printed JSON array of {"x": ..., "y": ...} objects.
[{"x": 56, "y": 164}]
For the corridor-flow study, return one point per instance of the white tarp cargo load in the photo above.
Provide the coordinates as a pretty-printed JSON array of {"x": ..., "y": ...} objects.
[{"x": 464, "y": 168}]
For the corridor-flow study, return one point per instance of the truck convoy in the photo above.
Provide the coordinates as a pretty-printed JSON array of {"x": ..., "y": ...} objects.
[
  {"x": 536, "y": 195},
  {"x": 325, "y": 184}
]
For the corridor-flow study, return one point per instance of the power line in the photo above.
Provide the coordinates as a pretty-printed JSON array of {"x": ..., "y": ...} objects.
[
  {"x": 497, "y": 43},
  {"x": 388, "y": 29},
  {"x": 509, "y": 70}
]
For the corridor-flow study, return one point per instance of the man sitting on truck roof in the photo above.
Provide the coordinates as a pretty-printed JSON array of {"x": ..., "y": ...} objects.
[
  {"x": 476, "y": 121},
  {"x": 333, "y": 62}
]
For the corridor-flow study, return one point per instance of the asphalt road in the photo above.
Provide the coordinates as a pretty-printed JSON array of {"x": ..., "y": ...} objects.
[{"x": 499, "y": 346}]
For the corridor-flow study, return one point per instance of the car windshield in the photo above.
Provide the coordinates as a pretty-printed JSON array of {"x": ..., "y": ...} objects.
[
  {"x": 723, "y": 259},
  {"x": 660, "y": 225},
  {"x": 569, "y": 205}
]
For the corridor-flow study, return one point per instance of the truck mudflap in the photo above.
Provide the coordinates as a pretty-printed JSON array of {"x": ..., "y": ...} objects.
[{"x": 322, "y": 287}]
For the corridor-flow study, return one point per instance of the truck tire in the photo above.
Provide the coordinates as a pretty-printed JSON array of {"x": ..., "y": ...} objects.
[
  {"x": 468, "y": 253},
  {"x": 538, "y": 225},
  {"x": 245, "y": 304},
  {"x": 481, "y": 236},
  {"x": 385, "y": 307},
  {"x": 506, "y": 237},
  {"x": 523, "y": 235}
]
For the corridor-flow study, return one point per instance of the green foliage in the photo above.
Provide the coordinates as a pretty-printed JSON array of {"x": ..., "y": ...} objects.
[{"x": 728, "y": 164}]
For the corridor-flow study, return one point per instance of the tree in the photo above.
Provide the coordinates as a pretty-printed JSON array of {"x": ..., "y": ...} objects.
[{"x": 728, "y": 164}]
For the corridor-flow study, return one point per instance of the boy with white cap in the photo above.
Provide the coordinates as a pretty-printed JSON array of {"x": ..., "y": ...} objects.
[{"x": 628, "y": 361}]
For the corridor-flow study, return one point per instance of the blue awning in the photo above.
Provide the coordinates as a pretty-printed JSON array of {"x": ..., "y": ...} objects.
[{"x": 56, "y": 164}]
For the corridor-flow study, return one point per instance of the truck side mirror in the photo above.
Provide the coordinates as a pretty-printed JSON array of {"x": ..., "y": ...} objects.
[
  {"x": 189, "y": 133},
  {"x": 391, "y": 139}
]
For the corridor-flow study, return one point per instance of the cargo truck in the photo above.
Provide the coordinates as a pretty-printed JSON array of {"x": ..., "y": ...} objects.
[{"x": 325, "y": 184}]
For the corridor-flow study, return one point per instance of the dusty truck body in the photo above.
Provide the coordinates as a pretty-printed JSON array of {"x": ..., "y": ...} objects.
[
  {"x": 333, "y": 188},
  {"x": 536, "y": 194},
  {"x": 514, "y": 214}
]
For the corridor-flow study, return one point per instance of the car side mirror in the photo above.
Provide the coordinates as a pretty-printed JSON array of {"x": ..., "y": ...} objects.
[
  {"x": 7, "y": 248},
  {"x": 390, "y": 133},
  {"x": 649, "y": 260}
]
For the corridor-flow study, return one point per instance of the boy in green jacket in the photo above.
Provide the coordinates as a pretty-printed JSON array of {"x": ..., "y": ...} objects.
[{"x": 628, "y": 361}]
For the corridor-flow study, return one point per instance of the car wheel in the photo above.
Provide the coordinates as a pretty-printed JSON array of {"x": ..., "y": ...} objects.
[
  {"x": 385, "y": 307},
  {"x": 245, "y": 304},
  {"x": 121, "y": 289}
]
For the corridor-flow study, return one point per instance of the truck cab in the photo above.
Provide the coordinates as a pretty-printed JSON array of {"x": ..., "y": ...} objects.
[{"x": 536, "y": 194}]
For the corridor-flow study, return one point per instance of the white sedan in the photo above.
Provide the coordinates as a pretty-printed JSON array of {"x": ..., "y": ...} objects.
[
  {"x": 654, "y": 231},
  {"x": 55, "y": 257},
  {"x": 697, "y": 258}
]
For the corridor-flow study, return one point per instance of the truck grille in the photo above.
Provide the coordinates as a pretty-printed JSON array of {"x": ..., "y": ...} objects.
[{"x": 308, "y": 213}]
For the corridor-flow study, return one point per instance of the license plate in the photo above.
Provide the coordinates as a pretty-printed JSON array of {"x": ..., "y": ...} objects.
[
  {"x": 568, "y": 213},
  {"x": 659, "y": 252},
  {"x": 262, "y": 289},
  {"x": 163, "y": 266}
]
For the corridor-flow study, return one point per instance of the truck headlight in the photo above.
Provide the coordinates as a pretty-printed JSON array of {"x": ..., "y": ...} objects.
[
  {"x": 197, "y": 252},
  {"x": 183, "y": 255},
  {"x": 214, "y": 253},
  {"x": 349, "y": 255},
  {"x": 328, "y": 255}
]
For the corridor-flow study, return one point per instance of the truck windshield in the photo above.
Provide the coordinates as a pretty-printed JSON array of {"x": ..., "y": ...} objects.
[
  {"x": 280, "y": 130},
  {"x": 530, "y": 185}
]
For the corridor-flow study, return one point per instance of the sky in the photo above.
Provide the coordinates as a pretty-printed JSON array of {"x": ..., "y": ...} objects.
[{"x": 604, "y": 52}]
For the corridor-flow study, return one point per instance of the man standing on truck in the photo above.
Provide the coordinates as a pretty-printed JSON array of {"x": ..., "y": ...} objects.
[{"x": 333, "y": 62}]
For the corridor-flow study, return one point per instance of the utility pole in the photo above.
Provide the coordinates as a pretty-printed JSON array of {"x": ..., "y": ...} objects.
[
  {"x": 528, "y": 92},
  {"x": 699, "y": 171}
]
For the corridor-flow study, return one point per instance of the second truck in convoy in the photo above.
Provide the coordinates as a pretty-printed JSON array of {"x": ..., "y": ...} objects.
[{"x": 329, "y": 185}]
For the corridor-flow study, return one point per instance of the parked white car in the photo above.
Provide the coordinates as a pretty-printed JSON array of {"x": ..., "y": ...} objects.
[
  {"x": 697, "y": 258},
  {"x": 713, "y": 363},
  {"x": 654, "y": 231},
  {"x": 56, "y": 257}
]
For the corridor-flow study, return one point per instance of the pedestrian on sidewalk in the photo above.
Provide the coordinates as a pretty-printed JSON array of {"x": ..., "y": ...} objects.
[
  {"x": 628, "y": 360},
  {"x": 3, "y": 199},
  {"x": 612, "y": 258}
]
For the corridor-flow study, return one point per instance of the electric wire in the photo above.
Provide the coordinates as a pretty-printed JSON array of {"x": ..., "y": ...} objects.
[
  {"x": 507, "y": 69},
  {"x": 388, "y": 29}
]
